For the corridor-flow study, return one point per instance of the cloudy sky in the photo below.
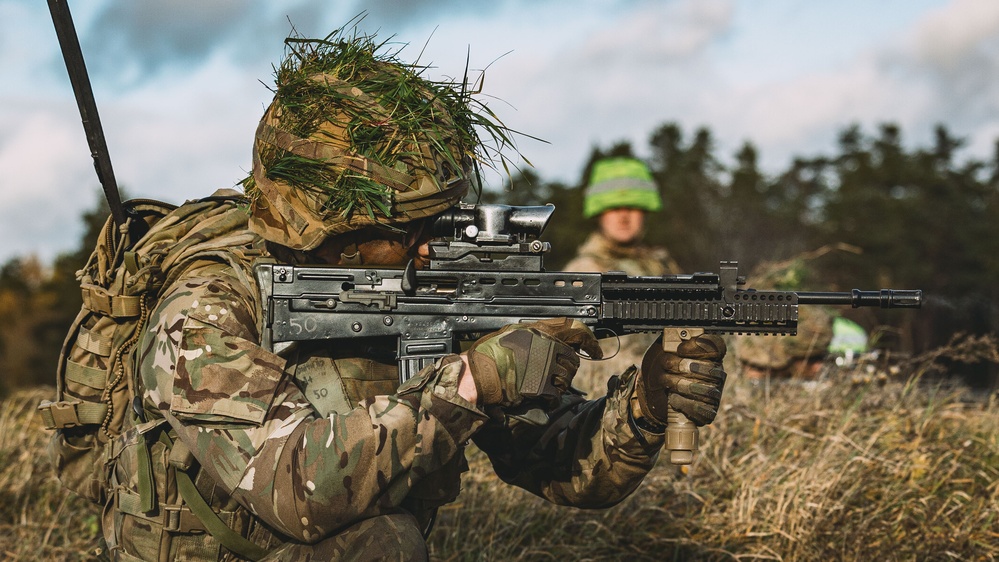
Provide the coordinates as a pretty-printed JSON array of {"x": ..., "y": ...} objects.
[{"x": 179, "y": 83}]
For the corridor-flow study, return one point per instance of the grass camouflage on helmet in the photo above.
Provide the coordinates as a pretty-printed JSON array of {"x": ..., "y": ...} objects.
[{"x": 355, "y": 137}]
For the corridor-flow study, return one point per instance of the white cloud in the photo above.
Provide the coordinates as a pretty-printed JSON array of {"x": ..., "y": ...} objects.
[
  {"x": 802, "y": 116},
  {"x": 180, "y": 139},
  {"x": 659, "y": 32},
  {"x": 605, "y": 79},
  {"x": 32, "y": 150},
  {"x": 941, "y": 70},
  {"x": 955, "y": 52},
  {"x": 949, "y": 36},
  {"x": 47, "y": 175}
]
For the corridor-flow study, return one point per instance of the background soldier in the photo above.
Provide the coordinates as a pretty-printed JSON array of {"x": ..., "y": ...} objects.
[
  {"x": 316, "y": 452},
  {"x": 786, "y": 357},
  {"x": 620, "y": 193}
]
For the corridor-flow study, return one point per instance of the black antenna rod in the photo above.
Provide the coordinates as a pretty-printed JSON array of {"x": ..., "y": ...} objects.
[{"x": 73, "y": 57}]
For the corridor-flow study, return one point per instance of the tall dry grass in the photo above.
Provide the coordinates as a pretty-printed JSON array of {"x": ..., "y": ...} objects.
[
  {"x": 856, "y": 468},
  {"x": 39, "y": 520}
]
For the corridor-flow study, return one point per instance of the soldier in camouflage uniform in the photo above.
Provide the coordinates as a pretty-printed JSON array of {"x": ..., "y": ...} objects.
[
  {"x": 786, "y": 357},
  {"x": 316, "y": 452},
  {"x": 620, "y": 193}
]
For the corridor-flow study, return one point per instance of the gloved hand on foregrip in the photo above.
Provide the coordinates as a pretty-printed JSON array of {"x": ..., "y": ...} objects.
[
  {"x": 690, "y": 380},
  {"x": 529, "y": 360}
]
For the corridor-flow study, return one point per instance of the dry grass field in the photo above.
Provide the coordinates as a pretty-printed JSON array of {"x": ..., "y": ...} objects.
[{"x": 863, "y": 466}]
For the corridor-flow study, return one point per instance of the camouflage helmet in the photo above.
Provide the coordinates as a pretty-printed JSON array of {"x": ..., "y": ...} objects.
[
  {"x": 620, "y": 182},
  {"x": 777, "y": 352},
  {"x": 814, "y": 323},
  {"x": 355, "y": 138}
]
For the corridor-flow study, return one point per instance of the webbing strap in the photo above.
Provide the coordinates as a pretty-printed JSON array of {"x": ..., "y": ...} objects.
[
  {"x": 130, "y": 503},
  {"x": 71, "y": 413},
  {"x": 99, "y": 300},
  {"x": 214, "y": 524},
  {"x": 173, "y": 518},
  {"x": 131, "y": 261},
  {"x": 144, "y": 476},
  {"x": 333, "y": 155},
  {"x": 87, "y": 376},
  {"x": 98, "y": 344},
  {"x": 216, "y": 527}
]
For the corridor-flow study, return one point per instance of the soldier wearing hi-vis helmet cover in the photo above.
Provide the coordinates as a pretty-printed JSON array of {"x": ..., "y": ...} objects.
[
  {"x": 315, "y": 452},
  {"x": 620, "y": 193}
]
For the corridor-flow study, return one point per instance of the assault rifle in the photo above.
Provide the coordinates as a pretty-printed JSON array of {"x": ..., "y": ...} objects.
[{"x": 485, "y": 272}]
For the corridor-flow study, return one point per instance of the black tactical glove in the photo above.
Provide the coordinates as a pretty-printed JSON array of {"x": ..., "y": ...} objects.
[
  {"x": 690, "y": 380},
  {"x": 529, "y": 360}
]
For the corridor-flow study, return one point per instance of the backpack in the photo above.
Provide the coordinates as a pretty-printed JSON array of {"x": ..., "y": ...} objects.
[{"x": 97, "y": 388}]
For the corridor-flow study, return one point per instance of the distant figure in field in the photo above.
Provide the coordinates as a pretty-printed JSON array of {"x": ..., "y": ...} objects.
[{"x": 820, "y": 332}]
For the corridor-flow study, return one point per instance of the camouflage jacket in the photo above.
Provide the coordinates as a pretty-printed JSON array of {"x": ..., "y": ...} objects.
[
  {"x": 319, "y": 437},
  {"x": 598, "y": 254}
]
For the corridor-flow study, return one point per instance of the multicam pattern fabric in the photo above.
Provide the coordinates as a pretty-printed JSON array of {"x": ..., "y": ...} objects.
[
  {"x": 594, "y": 458},
  {"x": 295, "y": 218},
  {"x": 355, "y": 137},
  {"x": 387, "y": 538},
  {"x": 599, "y": 254},
  {"x": 778, "y": 352},
  {"x": 316, "y": 441},
  {"x": 520, "y": 361}
]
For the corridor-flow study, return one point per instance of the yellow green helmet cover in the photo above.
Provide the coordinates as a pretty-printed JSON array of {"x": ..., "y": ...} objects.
[{"x": 620, "y": 182}]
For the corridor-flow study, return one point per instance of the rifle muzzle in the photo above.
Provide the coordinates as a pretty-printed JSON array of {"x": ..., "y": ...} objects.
[{"x": 885, "y": 298}]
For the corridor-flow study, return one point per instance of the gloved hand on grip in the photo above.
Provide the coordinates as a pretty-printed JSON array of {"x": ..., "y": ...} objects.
[
  {"x": 690, "y": 380},
  {"x": 529, "y": 360}
]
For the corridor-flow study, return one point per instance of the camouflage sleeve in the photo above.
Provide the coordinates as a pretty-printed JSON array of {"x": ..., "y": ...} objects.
[
  {"x": 253, "y": 430},
  {"x": 590, "y": 453}
]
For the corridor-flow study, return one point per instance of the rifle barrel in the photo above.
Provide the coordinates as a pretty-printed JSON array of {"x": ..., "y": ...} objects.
[{"x": 885, "y": 298}]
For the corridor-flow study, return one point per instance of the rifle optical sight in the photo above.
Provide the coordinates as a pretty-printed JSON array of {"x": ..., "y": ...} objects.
[{"x": 502, "y": 224}]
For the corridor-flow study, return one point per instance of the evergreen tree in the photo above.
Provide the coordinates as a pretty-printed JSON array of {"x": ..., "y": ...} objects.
[
  {"x": 688, "y": 178},
  {"x": 39, "y": 303}
]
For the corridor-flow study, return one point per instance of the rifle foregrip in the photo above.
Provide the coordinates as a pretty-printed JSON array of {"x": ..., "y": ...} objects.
[
  {"x": 681, "y": 433},
  {"x": 681, "y": 437}
]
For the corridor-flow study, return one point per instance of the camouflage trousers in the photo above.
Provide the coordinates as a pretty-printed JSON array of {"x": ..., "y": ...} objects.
[{"x": 386, "y": 537}]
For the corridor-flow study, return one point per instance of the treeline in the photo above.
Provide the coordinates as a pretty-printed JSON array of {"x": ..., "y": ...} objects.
[
  {"x": 922, "y": 218},
  {"x": 38, "y": 302}
]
